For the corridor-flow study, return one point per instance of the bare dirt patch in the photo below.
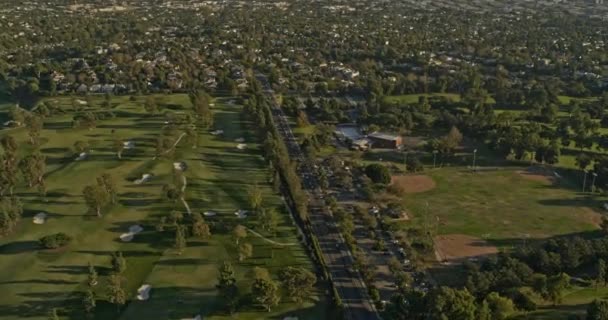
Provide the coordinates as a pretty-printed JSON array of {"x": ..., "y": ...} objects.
[
  {"x": 414, "y": 183},
  {"x": 458, "y": 247},
  {"x": 540, "y": 174}
]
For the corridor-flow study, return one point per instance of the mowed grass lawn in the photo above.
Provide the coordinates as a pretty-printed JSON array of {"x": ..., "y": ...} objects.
[
  {"x": 413, "y": 98},
  {"x": 501, "y": 205},
  {"x": 32, "y": 281}
]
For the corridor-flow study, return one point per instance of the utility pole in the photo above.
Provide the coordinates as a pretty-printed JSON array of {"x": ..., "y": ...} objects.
[
  {"x": 474, "y": 158},
  {"x": 593, "y": 183}
]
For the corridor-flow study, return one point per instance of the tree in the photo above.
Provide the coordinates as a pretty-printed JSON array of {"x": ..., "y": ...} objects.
[
  {"x": 92, "y": 278},
  {"x": 268, "y": 219},
  {"x": 119, "y": 264},
  {"x": 414, "y": 164},
  {"x": 11, "y": 210},
  {"x": 116, "y": 293},
  {"x": 228, "y": 291},
  {"x": 96, "y": 198},
  {"x": 53, "y": 314},
  {"x": 500, "y": 307},
  {"x": 32, "y": 168},
  {"x": 254, "y": 195},
  {"x": 81, "y": 146},
  {"x": 483, "y": 311},
  {"x": 180, "y": 239},
  {"x": 378, "y": 173},
  {"x": 107, "y": 183},
  {"x": 451, "y": 140},
  {"x": 199, "y": 227},
  {"x": 245, "y": 251},
  {"x": 88, "y": 301},
  {"x": 150, "y": 105},
  {"x": 239, "y": 232},
  {"x": 600, "y": 278},
  {"x": 556, "y": 286},
  {"x": 34, "y": 124},
  {"x": 266, "y": 293},
  {"x": 597, "y": 310},
  {"x": 583, "y": 161},
  {"x": 448, "y": 303},
  {"x": 298, "y": 282},
  {"x": 118, "y": 146}
]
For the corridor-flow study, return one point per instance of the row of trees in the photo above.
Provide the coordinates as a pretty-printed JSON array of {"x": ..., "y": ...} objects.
[{"x": 296, "y": 283}]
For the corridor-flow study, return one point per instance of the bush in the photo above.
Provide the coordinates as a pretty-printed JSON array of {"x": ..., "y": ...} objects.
[
  {"x": 54, "y": 241},
  {"x": 414, "y": 164},
  {"x": 378, "y": 173}
]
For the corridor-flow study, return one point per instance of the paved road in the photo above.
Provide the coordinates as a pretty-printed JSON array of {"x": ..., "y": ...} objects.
[{"x": 348, "y": 283}]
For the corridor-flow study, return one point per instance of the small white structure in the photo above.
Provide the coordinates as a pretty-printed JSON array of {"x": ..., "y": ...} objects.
[
  {"x": 81, "y": 156},
  {"x": 144, "y": 178},
  {"x": 239, "y": 140},
  {"x": 128, "y": 144},
  {"x": 241, "y": 214},
  {"x": 241, "y": 146},
  {"x": 210, "y": 213},
  {"x": 40, "y": 218},
  {"x": 126, "y": 237},
  {"x": 143, "y": 293},
  {"x": 81, "y": 102}
]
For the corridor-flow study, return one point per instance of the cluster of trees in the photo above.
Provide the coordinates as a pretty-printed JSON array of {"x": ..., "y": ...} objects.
[
  {"x": 101, "y": 194},
  {"x": 295, "y": 283}
]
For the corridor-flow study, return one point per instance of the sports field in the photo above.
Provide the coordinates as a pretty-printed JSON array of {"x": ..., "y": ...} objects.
[{"x": 32, "y": 281}]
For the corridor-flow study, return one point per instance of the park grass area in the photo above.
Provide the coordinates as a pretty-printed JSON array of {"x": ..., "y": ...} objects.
[
  {"x": 502, "y": 206},
  {"x": 32, "y": 281},
  {"x": 413, "y": 98},
  {"x": 575, "y": 301}
]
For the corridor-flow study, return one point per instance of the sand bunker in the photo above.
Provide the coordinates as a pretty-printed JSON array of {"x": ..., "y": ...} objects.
[
  {"x": 217, "y": 132},
  {"x": 210, "y": 213},
  {"x": 40, "y": 218},
  {"x": 143, "y": 293},
  {"x": 241, "y": 214},
  {"x": 241, "y": 146},
  {"x": 179, "y": 166},
  {"x": 81, "y": 156},
  {"x": 133, "y": 230},
  {"x": 458, "y": 247},
  {"x": 144, "y": 178},
  {"x": 128, "y": 144},
  {"x": 414, "y": 183}
]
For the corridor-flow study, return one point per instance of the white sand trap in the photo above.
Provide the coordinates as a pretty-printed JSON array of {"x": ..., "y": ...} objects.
[
  {"x": 135, "y": 229},
  {"x": 144, "y": 178},
  {"x": 143, "y": 293},
  {"x": 210, "y": 213},
  {"x": 241, "y": 214},
  {"x": 81, "y": 102},
  {"x": 40, "y": 218},
  {"x": 179, "y": 165},
  {"x": 128, "y": 144},
  {"x": 217, "y": 132},
  {"x": 239, "y": 140},
  {"x": 126, "y": 237},
  {"x": 81, "y": 156},
  {"x": 197, "y": 317},
  {"x": 241, "y": 146}
]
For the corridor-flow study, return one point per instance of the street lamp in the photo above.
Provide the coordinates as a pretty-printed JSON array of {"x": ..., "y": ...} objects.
[
  {"x": 474, "y": 158},
  {"x": 434, "y": 157},
  {"x": 593, "y": 183},
  {"x": 584, "y": 180}
]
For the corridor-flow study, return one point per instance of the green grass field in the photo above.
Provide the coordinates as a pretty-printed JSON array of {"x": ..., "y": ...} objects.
[
  {"x": 502, "y": 205},
  {"x": 413, "y": 98},
  {"x": 32, "y": 282}
]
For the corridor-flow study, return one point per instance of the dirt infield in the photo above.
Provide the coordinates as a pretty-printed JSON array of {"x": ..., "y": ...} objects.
[
  {"x": 539, "y": 174},
  {"x": 414, "y": 183},
  {"x": 457, "y": 247}
]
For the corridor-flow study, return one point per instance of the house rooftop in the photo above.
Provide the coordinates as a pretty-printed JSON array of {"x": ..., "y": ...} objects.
[{"x": 383, "y": 136}]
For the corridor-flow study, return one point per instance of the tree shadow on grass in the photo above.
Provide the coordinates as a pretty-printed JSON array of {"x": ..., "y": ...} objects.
[
  {"x": 40, "y": 281},
  {"x": 18, "y": 247}
]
